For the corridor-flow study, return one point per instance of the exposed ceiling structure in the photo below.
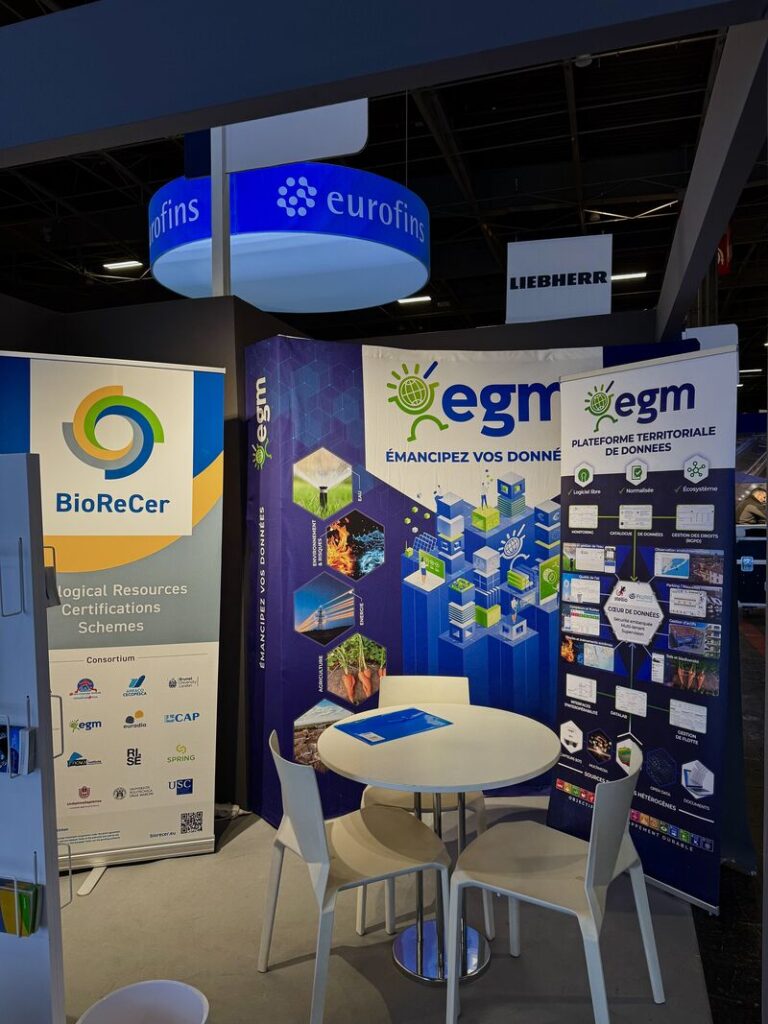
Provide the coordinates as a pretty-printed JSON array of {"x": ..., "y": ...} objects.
[{"x": 601, "y": 143}]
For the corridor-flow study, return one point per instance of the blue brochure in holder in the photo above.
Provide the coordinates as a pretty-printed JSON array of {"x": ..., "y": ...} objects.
[{"x": 392, "y": 725}]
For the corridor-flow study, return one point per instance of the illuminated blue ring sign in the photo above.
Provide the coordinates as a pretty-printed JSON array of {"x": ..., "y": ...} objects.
[{"x": 304, "y": 238}]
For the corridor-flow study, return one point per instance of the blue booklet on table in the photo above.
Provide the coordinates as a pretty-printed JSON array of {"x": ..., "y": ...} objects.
[{"x": 392, "y": 725}]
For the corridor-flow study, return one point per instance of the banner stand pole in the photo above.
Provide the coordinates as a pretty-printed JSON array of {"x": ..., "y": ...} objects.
[{"x": 95, "y": 875}]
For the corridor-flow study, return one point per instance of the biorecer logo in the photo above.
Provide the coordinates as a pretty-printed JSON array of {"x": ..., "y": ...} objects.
[
  {"x": 81, "y": 437},
  {"x": 117, "y": 463},
  {"x": 647, "y": 405}
]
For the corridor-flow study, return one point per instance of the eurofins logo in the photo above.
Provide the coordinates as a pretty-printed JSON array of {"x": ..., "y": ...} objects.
[
  {"x": 117, "y": 463},
  {"x": 260, "y": 451},
  {"x": 415, "y": 396}
]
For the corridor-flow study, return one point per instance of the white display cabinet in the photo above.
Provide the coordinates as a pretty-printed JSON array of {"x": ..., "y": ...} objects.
[{"x": 31, "y": 967}]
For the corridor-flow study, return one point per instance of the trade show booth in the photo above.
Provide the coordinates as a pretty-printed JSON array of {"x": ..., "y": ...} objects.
[{"x": 447, "y": 620}]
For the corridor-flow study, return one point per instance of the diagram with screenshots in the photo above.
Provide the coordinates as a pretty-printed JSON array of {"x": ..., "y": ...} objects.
[{"x": 641, "y": 646}]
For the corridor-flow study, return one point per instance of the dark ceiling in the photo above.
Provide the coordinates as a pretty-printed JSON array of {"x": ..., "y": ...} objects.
[{"x": 541, "y": 152}]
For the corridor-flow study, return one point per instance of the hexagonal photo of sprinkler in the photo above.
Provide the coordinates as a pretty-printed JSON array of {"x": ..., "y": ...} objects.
[
  {"x": 356, "y": 668},
  {"x": 355, "y": 545},
  {"x": 322, "y": 483}
]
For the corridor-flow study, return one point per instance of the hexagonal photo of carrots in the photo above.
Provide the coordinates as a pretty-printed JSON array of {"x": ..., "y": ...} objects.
[{"x": 355, "y": 669}]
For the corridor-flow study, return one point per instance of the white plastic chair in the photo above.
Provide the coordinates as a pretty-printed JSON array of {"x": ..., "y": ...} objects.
[
  {"x": 399, "y": 690},
  {"x": 531, "y": 862},
  {"x": 163, "y": 1002},
  {"x": 371, "y": 844}
]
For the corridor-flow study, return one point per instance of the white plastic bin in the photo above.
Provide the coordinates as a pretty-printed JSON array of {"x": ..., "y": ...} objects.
[{"x": 150, "y": 1002}]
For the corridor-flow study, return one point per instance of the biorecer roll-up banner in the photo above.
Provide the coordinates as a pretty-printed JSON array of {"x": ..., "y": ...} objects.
[
  {"x": 131, "y": 479},
  {"x": 401, "y": 519},
  {"x": 648, "y": 455}
]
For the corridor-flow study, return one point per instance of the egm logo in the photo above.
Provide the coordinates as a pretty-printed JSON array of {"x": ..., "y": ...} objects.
[{"x": 117, "y": 463}]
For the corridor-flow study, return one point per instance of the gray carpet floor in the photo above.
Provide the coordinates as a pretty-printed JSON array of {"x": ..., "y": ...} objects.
[{"x": 198, "y": 920}]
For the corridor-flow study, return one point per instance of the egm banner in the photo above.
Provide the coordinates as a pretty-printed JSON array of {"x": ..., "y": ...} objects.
[
  {"x": 644, "y": 657},
  {"x": 404, "y": 517},
  {"x": 131, "y": 483}
]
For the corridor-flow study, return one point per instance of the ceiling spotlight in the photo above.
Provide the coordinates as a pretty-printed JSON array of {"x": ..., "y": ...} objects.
[
  {"x": 123, "y": 265},
  {"x": 414, "y": 298},
  {"x": 638, "y": 275},
  {"x": 739, "y": 385},
  {"x": 583, "y": 60}
]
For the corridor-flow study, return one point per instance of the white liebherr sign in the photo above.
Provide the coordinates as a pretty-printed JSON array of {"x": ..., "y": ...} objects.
[{"x": 551, "y": 279}]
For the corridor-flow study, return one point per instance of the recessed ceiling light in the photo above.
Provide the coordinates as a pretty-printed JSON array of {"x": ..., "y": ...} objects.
[
  {"x": 123, "y": 265},
  {"x": 636, "y": 276},
  {"x": 414, "y": 298}
]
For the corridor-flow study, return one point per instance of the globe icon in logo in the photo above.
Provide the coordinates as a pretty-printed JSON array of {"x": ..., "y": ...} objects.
[
  {"x": 512, "y": 546},
  {"x": 599, "y": 403},
  {"x": 414, "y": 394}
]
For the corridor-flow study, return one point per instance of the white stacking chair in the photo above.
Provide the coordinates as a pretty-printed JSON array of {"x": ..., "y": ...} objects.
[
  {"x": 371, "y": 844},
  {"x": 393, "y": 692},
  {"x": 530, "y": 862}
]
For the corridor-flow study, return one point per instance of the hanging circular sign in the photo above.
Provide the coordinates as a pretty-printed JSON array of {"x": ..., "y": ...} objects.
[{"x": 305, "y": 238}]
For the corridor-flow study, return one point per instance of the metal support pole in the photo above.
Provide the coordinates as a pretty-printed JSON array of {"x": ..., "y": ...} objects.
[
  {"x": 462, "y": 814},
  {"x": 419, "y": 900},
  {"x": 220, "y": 233},
  {"x": 440, "y": 909}
]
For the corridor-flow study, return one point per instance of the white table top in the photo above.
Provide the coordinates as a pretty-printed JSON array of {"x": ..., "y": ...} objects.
[{"x": 483, "y": 748}]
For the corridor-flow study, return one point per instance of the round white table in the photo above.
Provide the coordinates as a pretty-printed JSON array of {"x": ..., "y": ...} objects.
[{"x": 483, "y": 748}]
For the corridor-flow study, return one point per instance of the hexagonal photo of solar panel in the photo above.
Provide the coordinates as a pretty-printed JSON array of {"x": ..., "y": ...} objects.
[
  {"x": 355, "y": 545},
  {"x": 323, "y": 608}
]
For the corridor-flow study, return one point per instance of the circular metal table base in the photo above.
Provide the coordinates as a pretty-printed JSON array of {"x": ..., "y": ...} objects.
[{"x": 405, "y": 953}]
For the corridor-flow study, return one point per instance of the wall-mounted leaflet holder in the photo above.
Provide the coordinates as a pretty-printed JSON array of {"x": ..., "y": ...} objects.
[
  {"x": 12, "y": 585},
  {"x": 17, "y": 747},
  {"x": 60, "y": 730},
  {"x": 52, "y": 599},
  {"x": 71, "y": 897},
  {"x": 21, "y": 905}
]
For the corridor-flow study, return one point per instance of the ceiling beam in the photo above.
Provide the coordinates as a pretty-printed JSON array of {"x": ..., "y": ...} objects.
[
  {"x": 731, "y": 137},
  {"x": 578, "y": 177},
  {"x": 435, "y": 118},
  {"x": 69, "y": 82}
]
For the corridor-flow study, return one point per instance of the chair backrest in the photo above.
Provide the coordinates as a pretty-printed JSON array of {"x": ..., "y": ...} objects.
[
  {"x": 609, "y": 823},
  {"x": 301, "y": 805},
  {"x": 396, "y": 690}
]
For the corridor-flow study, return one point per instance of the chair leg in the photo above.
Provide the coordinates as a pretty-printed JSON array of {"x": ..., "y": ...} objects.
[
  {"x": 322, "y": 958},
  {"x": 646, "y": 930},
  {"x": 273, "y": 887},
  {"x": 389, "y": 907},
  {"x": 514, "y": 926},
  {"x": 453, "y": 958},
  {"x": 443, "y": 879},
  {"x": 488, "y": 916},
  {"x": 362, "y": 905},
  {"x": 481, "y": 823},
  {"x": 591, "y": 940}
]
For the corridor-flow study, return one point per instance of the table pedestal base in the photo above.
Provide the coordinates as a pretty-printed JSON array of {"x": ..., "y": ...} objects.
[{"x": 424, "y": 967}]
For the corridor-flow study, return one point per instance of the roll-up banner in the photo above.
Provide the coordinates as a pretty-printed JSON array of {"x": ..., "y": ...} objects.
[
  {"x": 131, "y": 473},
  {"x": 403, "y": 517},
  {"x": 648, "y": 454}
]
